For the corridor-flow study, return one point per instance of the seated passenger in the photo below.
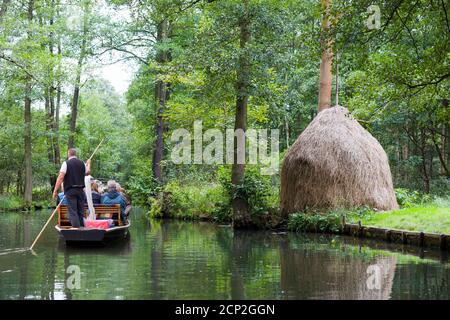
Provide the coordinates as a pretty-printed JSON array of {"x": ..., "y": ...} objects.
[
  {"x": 126, "y": 198},
  {"x": 114, "y": 197},
  {"x": 96, "y": 196}
]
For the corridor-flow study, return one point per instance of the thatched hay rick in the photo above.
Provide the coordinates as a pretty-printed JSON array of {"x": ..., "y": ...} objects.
[{"x": 336, "y": 163}]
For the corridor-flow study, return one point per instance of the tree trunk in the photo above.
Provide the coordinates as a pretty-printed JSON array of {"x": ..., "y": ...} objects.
[
  {"x": 27, "y": 144},
  {"x": 19, "y": 182},
  {"x": 161, "y": 97},
  {"x": 76, "y": 90},
  {"x": 447, "y": 139},
  {"x": 241, "y": 214},
  {"x": 444, "y": 170},
  {"x": 49, "y": 108},
  {"x": 50, "y": 100},
  {"x": 327, "y": 59},
  {"x": 426, "y": 177},
  {"x": 28, "y": 192},
  {"x": 58, "y": 107},
  {"x": 444, "y": 167}
]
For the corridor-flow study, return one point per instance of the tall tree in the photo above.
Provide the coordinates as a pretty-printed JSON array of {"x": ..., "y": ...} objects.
[
  {"x": 326, "y": 63},
  {"x": 86, "y": 6},
  {"x": 241, "y": 214},
  {"x": 49, "y": 94},
  {"x": 161, "y": 96},
  {"x": 28, "y": 193}
]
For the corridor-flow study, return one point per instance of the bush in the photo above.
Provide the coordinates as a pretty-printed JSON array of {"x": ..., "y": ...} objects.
[
  {"x": 10, "y": 202},
  {"x": 256, "y": 190},
  {"x": 315, "y": 221},
  {"x": 190, "y": 202},
  {"x": 407, "y": 198},
  {"x": 142, "y": 189},
  {"x": 155, "y": 208}
]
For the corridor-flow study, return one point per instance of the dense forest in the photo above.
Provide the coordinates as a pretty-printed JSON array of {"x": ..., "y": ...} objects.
[{"x": 229, "y": 63}]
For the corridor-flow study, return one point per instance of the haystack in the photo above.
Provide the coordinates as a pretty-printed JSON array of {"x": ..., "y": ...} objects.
[{"x": 336, "y": 163}]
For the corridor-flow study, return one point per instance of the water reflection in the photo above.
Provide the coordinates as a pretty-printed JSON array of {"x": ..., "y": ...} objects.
[{"x": 181, "y": 260}]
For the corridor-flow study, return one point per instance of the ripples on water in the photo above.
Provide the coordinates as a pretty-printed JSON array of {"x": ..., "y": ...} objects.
[{"x": 183, "y": 260}]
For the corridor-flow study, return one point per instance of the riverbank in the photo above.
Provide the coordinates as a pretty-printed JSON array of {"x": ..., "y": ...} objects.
[
  {"x": 424, "y": 225},
  {"x": 432, "y": 218},
  {"x": 16, "y": 203},
  {"x": 421, "y": 220}
]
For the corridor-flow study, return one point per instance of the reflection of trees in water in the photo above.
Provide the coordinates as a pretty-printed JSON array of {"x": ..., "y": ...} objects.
[
  {"x": 185, "y": 260},
  {"x": 156, "y": 264},
  {"x": 240, "y": 257},
  {"x": 49, "y": 275},
  {"x": 67, "y": 291},
  {"x": 422, "y": 281},
  {"x": 251, "y": 257},
  {"x": 23, "y": 290}
]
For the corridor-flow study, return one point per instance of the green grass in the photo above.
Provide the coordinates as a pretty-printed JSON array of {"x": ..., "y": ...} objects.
[
  {"x": 432, "y": 217},
  {"x": 10, "y": 202}
]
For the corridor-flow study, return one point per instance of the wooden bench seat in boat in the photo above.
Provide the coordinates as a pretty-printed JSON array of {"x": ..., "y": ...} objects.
[{"x": 102, "y": 211}]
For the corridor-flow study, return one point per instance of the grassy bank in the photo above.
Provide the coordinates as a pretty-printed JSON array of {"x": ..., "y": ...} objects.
[
  {"x": 11, "y": 202},
  {"x": 433, "y": 217}
]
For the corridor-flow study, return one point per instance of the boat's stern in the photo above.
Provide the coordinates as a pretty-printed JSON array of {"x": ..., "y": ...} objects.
[{"x": 81, "y": 235}]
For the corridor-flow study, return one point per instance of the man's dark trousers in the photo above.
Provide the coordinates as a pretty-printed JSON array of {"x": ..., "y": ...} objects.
[{"x": 75, "y": 201}]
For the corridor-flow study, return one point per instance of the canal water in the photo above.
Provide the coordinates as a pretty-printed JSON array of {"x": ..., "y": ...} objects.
[{"x": 186, "y": 260}]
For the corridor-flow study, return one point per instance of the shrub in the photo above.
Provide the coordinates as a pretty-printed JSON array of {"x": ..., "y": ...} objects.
[
  {"x": 155, "y": 208},
  {"x": 142, "y": 189},
  {"x": 9, "y": 202},
  {"x": 315, "y": 221},
  {"x": 190, "y": 202},
  {"x": 408, "y": 198},
  {"x": 256, "y": 189}
]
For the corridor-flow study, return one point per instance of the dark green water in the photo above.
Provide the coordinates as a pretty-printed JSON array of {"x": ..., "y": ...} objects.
[{"x": 183, "y": 260}]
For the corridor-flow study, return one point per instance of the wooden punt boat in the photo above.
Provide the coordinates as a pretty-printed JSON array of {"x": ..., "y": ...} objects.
[{"x": 92, "y": 236}]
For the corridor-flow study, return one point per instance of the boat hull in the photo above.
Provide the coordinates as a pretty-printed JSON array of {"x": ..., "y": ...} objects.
[{"x": 92, "y": 236}]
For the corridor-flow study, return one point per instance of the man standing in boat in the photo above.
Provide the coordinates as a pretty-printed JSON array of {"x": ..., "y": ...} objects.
[{"x": 72, "y": 173}]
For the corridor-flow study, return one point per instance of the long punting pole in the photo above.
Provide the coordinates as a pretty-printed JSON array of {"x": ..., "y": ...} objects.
[
  {"x": 96, "y": 149},
  {"x": 46, "y": 224}
]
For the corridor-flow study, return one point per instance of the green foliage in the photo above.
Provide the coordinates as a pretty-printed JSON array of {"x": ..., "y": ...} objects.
[
  {"x": 257, "y": 190},
  {"x": 407, "y": 198},
  {"x": 397, "y": 89},
  {"x": 142, "y": 188},
  {"x": 315, "y": 222},
  {"x": 11, "y": 202},
  {"x": 358, "y": 214},
  {"x": 155, "y": 208},
  {"x": 188, "y": 201},
  {"x": 426, "y": 217}
]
